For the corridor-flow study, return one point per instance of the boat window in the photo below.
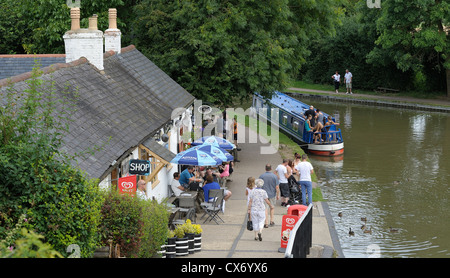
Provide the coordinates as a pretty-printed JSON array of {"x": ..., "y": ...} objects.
[
  {"x": 295, "y": 126},
  {"x": 285, "y": 117}
]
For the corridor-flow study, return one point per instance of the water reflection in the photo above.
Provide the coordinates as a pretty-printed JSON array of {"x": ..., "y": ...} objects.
[{"x": 395, "y": 172}]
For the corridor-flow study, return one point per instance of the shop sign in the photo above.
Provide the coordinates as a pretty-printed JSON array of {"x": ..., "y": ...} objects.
[{"x": 139, "y": 167}]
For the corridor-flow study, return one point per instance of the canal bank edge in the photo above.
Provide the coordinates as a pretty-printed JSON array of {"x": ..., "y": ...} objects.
[
  {"x": 321, "y": 247},
  {"x": 386, "y": 101}
]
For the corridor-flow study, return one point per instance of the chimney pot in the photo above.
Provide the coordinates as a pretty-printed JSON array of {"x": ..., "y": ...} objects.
[
  {"x": 112, "y": 18},
  {"x": 75, "y": 18},
  {"x": 93, "y": 22}
]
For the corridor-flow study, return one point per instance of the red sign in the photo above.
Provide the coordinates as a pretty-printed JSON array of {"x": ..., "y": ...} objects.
[
  {"x": 127, "y": 185},
  {"x": 294, "y": 213}
]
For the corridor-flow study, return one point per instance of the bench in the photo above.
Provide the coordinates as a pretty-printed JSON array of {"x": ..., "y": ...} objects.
[{"x": 385, "y": 90}]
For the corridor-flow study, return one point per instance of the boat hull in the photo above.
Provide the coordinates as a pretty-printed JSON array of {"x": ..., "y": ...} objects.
[{"x": 326, "y": 149}]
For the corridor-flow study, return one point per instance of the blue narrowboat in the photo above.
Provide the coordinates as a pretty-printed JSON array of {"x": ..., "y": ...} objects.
[{"x": 291, "y": 120}]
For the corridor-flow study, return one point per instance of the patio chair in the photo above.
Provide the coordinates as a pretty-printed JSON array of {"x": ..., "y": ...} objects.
[{"x": 213, "y": 208}]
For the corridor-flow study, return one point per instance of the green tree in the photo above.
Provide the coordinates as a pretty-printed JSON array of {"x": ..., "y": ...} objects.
[
  {"x": 415, "y": 34},
  {"x": 37, "y": 26},
  {"x": 221, "y": 50}
]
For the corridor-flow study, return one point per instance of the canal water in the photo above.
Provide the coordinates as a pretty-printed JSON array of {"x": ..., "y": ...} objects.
[{"x": 395, "y": 174}]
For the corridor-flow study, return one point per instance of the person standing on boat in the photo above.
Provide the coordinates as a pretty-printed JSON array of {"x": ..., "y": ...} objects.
[
  {"x": 348, "y": 78},
  {"x": 337, "y": 81}
]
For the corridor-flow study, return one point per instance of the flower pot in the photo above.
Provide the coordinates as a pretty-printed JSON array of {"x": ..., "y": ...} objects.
[
  {"x": 171, "y": 247},
  {"x": 182, "y": 246},
  {"x": 197, "y": 242},
  {"x": 190, "y": 237}
]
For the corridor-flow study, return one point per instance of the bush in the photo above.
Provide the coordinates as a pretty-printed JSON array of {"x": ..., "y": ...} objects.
[
  {"x": 138, "y": 226},
  {"x": 155, "y": 232},
  {"x": 122, "y": 223},
  {"x": 30, "y": 245}
]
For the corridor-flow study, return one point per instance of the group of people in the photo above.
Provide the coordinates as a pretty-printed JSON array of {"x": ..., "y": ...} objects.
[
  {"x": 348, "y": 80},
  {"x": 262, "y": 193},
  {"x": 316, "y": 123},
  {"x": 191, "y": 177}
]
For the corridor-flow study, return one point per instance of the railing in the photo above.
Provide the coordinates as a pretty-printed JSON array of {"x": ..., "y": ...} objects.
[
  {"x": 325, "y": 137},
  {"x": 300, "y": 238}
]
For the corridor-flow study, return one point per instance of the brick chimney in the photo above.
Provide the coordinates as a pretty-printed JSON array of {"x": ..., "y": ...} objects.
[
  {"x": 86, "y": 43},
  {"x": 112, "y": 34}
]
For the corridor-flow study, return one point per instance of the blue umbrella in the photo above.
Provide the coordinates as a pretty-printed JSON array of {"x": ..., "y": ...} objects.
[
  {"x": 219, "y": 152},
  {"x": 196, "y": 157},
  {"x": 215, "y": 141}
]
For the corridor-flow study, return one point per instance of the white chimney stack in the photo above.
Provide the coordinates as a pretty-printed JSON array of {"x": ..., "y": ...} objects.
[
  {"x": 112, "y": 34},
  {"x": 86, "y": 43}
]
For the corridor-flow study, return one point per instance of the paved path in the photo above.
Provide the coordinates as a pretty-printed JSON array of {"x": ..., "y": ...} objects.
[
  {"x": 232, "y": 239},
  {"x": 439, "y": 102}
]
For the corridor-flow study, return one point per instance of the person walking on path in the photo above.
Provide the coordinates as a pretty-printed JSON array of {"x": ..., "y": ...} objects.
[
  {"x": 305, "y": 169},
  {"x": 271, "y": 186},
  {"x": 282, "y": 174},
  {"x": 257, "y": 209},
  {"x": 337, "y": 81},
  {"x": 348, "y": 78}
]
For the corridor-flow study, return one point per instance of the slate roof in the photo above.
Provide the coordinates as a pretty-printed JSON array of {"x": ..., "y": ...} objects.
[
  {"x": 12, "y": 65},
  {"x": 115, "y": 103}
]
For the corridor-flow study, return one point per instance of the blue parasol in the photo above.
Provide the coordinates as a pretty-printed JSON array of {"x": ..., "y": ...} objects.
[
  {"x": 197, "y": 158},
  {"x": 219, "y": 152},
  {"x": 215, "y": 141}
]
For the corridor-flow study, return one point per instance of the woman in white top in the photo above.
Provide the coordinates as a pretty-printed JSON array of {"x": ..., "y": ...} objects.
[
  {"x": 337, "y": 81},
  {"x": 257, "y": 209}
]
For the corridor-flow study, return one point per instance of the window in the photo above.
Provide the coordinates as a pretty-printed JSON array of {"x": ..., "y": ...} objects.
[
  {"x": 285, "y": 119},
  {"x": 295, "y": 126}
]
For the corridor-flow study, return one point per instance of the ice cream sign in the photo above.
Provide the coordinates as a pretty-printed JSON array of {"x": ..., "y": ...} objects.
[{"x": 127, "y": 185}]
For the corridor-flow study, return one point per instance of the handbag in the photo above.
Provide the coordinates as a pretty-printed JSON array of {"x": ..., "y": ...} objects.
[{"x": 249, "y": 223}]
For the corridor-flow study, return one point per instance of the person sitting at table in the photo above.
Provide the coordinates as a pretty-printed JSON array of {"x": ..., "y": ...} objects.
[
  {"x": 209, "y": 172},
  {"x": 176, "y": 186},
  {"x": 211, "y": 184},
  {"x": 187, "y": 177}
]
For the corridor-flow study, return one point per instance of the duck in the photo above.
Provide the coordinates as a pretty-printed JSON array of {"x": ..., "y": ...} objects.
[
  {"x": 351, "y": 233},
  {"x": 368, "y": 231},
  {"x": 396, "y": 182},
  {"x": 393, "y": 230},
  {"x": 363, "y": 226},
  {"x": 364, "y": 219},
  {"x": 340, "y": 214}
]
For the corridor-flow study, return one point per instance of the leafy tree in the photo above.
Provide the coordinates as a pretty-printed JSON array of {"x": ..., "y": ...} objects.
[
  {"x": 348, "y": 48},
  {"x": 220, "y": 50},
  {"x": 415, "y": 34},
  {"x": 37, "y": 26}
]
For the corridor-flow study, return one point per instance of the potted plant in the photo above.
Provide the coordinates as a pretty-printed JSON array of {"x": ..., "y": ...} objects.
[
  {"x": 171, "y": 244},
  {"x": 181, "y": 243},
  {"x": 189, "y": 232},
  {"x": 198, "y": 237}
]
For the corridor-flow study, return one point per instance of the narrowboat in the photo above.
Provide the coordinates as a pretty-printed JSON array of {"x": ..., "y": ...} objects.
[{"x": 291, "y": 120}]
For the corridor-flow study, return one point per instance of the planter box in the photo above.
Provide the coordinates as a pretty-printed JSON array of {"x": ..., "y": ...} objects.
[
  {"x": 171, "y": 247},
  {"x": 197, "y": 243},
  {"x": 182, "y": 246}
]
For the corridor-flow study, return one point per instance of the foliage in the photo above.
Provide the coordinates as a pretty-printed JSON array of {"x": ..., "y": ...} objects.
[
  {"x": 37, "y": 26},
  {"x": 122, "y": 222},
  {"x": 30, "y": 245},
  {"x": 179, "y": 231},
  {"x": 155, "y": 221},
  {"x": 412, "y": 33},
  {"x": 220, "y": 50},
  {"x": 348, "y": 49},
  {"x": 60, "y": 202},
  {"x": 198, "y": 229},
  {"x": 188, "y": 227}
]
